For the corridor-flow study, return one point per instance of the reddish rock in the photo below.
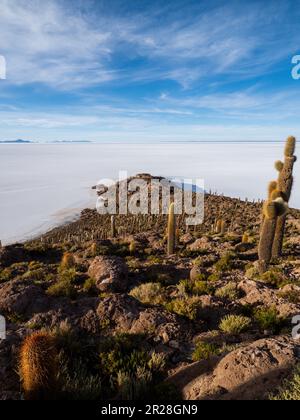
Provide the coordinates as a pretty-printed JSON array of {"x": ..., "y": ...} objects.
[{"x": 251, "y": 372}]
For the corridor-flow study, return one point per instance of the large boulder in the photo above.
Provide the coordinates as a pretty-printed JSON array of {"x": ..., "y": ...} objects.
[
  {"x": 110, "y": 273},
  {"x": 119, "y": 311},
  {"x": 19, "y": 297},
  {"x": 125, "y": 314},
  {"x": 249, "y": 373},
  {"x": 166, "y": 326}
]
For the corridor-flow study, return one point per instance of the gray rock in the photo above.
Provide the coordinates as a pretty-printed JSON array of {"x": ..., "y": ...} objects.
[{"x": 110, "y": 273}]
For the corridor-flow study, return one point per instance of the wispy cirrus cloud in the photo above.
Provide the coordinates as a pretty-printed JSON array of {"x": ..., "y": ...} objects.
[
  {"x": 57, "y": 44},
  {"x": 120, "y": 68},
  {"x": 43, "y": 42}
]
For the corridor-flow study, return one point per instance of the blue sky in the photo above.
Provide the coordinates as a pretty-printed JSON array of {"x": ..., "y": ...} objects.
[{"x": 141, "y": 70}]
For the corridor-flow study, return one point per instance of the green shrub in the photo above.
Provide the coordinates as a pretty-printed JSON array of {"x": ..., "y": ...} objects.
[
  {"x": 134, "y": 386},
  {"x": 290, "y": 390},
  {"x": 128, "y": 368},
  {"x": 290, "y": 296},
  {"x": 18, "y": 269},
  {"x": 65, "y": 285},
  {"x": 205, "y": 351},
  {"x": 65, "y": 337},
  {"x": 275, "y": 278},
  {"x": 230, "y": 292},
  {"x": 148, "y": 293},
  {"x": 195, "y": 287},
  {"x": 268, "y": 319},
  {"x": 213, "y": 278},
  {"x": 188, "y": 307},
  {"x": 225, "y": 263},
  {"x": 90, "y": 286},
  {"x": 77, "y": 382},
  {"x": 235, "y": 324}
]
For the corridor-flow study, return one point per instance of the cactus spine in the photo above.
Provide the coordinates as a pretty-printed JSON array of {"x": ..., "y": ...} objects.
[
  {"x": 285, "y": 184},
  {"x": 171, "y": 230},
  {"x": 38, "y": 367}
]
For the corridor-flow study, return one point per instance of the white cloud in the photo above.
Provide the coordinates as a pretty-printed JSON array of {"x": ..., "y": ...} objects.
[
  {"x": 43, "y": 42},
  {"x": 48, "y": 42}
]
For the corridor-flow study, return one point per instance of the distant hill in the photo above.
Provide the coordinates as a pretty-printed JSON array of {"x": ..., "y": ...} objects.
[
  {"x": 70, "y": 141},
  {"x": 19, "y": 141}
]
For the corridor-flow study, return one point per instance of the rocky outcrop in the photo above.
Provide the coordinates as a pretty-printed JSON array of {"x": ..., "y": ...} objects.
[
  {"x": 125, "y": 314},
  {"x": 258, "y": 294},
  {"x": 166, "y": 326},
  {"x": 110, "y": 274},
  {"x": 248, "y": 373},
  {"x": 21, "y": 298},
  {"x": 119, "y": 311}
]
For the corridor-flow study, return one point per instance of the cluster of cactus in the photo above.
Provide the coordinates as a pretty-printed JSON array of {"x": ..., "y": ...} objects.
[
  {"x": 275, "y": 209},
  {"x": 38, "y": 367}
]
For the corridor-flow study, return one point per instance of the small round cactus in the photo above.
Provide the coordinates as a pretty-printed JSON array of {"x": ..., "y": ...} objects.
[{"x": 38, "y": 367}]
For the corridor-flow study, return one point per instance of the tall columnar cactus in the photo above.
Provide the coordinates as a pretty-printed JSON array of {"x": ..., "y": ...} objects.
[
  {"x": 284, "y": 188},
  {"x": 218, "y": 229},
  {"x": 272, "y": 211},
  {"x": 223, "y": 227},
  {"x": 171, "y": 230},
  {"x": 113, "y": 227},
  {"x": 38, "y": 367}
]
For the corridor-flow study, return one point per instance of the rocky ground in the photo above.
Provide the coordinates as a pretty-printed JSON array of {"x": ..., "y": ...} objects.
[{"x": 132, "y": 323}]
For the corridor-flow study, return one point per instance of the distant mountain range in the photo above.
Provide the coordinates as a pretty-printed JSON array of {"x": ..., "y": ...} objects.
[
  {"x": 15, "y": 141},
  {"x": 20, "y": 141}
]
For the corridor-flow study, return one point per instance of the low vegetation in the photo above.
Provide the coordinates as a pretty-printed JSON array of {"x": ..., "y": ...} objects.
[{"x": 235, "y": 324}]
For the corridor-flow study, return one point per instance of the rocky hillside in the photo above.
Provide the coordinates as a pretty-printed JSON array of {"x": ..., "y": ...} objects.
[{"x": 121, "y": 318}]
